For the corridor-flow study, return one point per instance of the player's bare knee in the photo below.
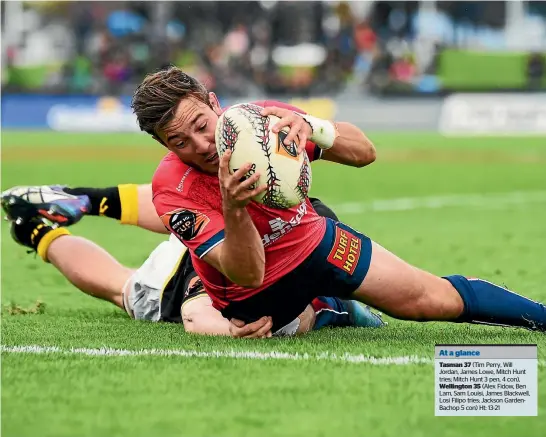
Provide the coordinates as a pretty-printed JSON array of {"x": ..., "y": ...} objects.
[
  {"x": 190, "y": 316},
  {"x": 453, "y": 305},
  {"x": 440, "y": 301},
  {"x": 187, "y": 320},
  {"x": 189, "y": 326}
]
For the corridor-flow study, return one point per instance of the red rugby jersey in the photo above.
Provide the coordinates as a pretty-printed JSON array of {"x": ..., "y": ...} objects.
[{"x": 190, "y": 204}]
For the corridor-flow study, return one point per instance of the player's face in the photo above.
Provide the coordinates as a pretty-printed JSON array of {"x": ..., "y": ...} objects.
[{"x": 190, "y": 134}]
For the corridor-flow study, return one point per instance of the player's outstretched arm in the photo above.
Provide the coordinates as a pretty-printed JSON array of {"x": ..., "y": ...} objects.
[
  {"x": 340, "y": 142},
  {"x": 240, "y": 257},
  {"x": 350, "y": 147}
]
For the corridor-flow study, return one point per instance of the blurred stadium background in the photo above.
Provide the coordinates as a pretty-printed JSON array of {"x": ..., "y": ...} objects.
[
  {"x": 434, "y": 84},
  {"x": 342, "y": 55}
]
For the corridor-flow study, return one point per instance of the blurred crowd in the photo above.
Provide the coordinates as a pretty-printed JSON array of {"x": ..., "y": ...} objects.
[{"x": 254, "y": 47}]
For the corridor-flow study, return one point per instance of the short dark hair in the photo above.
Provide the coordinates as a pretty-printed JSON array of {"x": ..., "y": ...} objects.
[{"x": 155, "y": 100}]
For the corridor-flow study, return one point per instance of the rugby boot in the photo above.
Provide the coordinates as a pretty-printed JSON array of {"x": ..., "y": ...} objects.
[
  {"x": 362, "y": 316},
  {"x": 48, "y": 201},
  {"x": 333, "y": 311}
]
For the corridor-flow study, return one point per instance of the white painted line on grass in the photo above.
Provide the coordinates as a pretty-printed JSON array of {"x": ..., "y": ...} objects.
[
  {"x": 476, "y": 200},
  {"x": 233, "y": 354}
]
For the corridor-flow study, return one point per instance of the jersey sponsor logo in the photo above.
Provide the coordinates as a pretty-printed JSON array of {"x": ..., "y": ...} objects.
[
  {"x": 280, "y": 227},
  {"x": 345, "y": 251},
  {"x": 290, "y": 151},
  {"x": 187, "y": 224},
  {"x": 180, "y": 186}
]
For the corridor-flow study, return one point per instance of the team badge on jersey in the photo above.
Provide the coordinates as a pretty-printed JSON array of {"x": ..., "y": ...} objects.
[{"x": 186, "y": 223}]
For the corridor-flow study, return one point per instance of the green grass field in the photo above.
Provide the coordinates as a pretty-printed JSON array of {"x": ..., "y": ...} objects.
[{"x": 469, "y": 206}]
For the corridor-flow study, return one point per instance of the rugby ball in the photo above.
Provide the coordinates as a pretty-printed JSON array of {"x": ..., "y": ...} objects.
[{"x": 287, "y": 174}]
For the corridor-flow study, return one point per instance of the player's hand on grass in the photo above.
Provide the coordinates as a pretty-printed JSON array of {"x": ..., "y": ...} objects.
[
  {"x": 259, "y": 329},
  {"x": 300, "y": 130},
  {"x": 237, "y": 190}
]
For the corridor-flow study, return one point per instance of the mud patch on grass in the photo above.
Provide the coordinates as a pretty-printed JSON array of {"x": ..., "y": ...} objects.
[{"x": 16, "y": 310}]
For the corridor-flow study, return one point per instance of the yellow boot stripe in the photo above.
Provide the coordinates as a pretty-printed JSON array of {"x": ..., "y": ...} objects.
[
  {"x": 128, "y": 196},
  {"x": 47, "y": 239}
]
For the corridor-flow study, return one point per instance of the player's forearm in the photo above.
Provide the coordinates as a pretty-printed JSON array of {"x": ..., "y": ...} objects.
[
  {"x": 341, "y": 142},
  {"x": 351, "y": 147},
  {"x": 208, "y": 327},
  {"x": 201, "y": 318},
  {"x": 242, "y": 258}
]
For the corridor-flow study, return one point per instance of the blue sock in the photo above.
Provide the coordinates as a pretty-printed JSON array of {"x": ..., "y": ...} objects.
[
  {"x": 488, "y": 303},
  {"x": 330, "y": 311}
]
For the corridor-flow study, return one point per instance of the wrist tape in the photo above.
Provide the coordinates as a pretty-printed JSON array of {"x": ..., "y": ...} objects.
[{"x": 324, "y": 132}]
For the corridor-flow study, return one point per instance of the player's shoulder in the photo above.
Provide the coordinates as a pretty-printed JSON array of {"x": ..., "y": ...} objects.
[
  {"x": 171, "y": 175},
  {"x": 176, "y": 185}
]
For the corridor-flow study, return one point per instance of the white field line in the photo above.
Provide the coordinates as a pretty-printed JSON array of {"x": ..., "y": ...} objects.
[
  {"x": 246, "y": 355},
  {"x": 477, "y": 200}
]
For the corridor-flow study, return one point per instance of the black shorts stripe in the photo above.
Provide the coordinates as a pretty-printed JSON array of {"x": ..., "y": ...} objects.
[{"x": 173, "y": 292}]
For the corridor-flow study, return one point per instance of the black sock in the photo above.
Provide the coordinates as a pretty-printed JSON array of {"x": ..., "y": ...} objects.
[
  {"x": 30, "y": 235},
  {"x": 37, "y": 235},
  {"x": 104, "y": 201}
]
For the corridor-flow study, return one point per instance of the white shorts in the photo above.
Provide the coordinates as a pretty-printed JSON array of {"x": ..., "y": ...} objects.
[{"x": 142, "y": 291}]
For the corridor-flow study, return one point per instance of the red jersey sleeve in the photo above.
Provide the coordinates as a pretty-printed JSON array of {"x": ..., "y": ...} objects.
[
  {"x": 200, "y": 228},
  {"x": 314, "y": 152}
]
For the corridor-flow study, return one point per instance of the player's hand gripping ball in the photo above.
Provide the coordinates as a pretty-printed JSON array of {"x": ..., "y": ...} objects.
[{"x": 287, "y": 173}]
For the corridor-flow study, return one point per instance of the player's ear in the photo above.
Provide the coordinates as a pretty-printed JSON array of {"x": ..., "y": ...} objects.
[
  {"x": 159, "y": 141},
  {"x": 215, "y": 103}
]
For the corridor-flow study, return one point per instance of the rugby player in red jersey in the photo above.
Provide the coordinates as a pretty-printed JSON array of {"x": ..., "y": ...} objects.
[{"x": 257, "y": 261}]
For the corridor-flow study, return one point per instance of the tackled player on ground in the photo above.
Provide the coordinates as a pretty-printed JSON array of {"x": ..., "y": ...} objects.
[{"x": 166, "y": 287}]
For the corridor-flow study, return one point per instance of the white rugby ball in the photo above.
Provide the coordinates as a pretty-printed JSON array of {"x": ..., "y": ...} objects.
[{"x": 248, "y": 134}]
